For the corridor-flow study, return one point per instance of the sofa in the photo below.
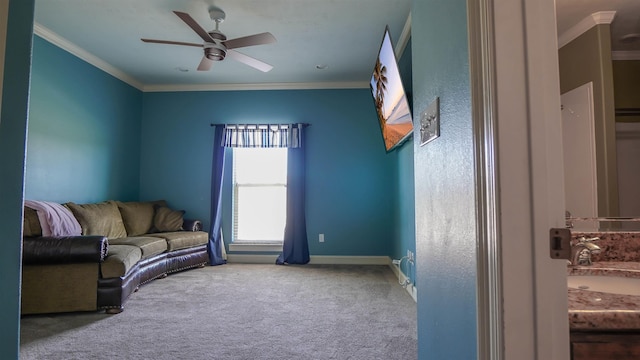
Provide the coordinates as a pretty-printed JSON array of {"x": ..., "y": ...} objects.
[{"x": 118, "y": 247}]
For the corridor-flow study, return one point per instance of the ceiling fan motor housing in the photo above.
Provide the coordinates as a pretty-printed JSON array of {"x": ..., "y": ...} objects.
[
  {"x": 215, "y": 42},
  {"x": 216, "y": 51}
]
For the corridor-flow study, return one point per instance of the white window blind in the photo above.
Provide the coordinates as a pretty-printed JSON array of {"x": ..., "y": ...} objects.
[{"x": 259, "y": 194}]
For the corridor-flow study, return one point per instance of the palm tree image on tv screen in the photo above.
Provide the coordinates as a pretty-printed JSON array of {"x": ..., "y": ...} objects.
[{"x": 391, "y": 102}]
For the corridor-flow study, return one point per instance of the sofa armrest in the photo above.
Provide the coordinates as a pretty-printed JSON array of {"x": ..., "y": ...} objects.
[
  {"x": 192, "y": 225},
  {"x": 64, "y": 249}
]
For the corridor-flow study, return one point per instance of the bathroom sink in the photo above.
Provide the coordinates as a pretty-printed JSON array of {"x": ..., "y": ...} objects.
[{"x": 606, "y": 284}]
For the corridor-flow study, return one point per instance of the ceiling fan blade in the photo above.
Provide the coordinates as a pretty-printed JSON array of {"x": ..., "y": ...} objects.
[
  {"x": 205, "y": 64},
  {"x": 257, "y": 39},
  {"x": 248, "y": 60},
  {"x": 195, "y": 26},
  {"x": 170, "y": 42}
]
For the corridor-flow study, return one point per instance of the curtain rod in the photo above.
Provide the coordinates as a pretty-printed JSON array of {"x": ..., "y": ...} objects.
[{"x": 303, "y": 124}]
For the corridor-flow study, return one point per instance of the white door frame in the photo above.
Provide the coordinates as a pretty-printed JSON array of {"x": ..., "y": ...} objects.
[
  {"x": 483, "y": 92},
  {"x": 550, "y": 310},
  {"x": 522, "y": 296}
]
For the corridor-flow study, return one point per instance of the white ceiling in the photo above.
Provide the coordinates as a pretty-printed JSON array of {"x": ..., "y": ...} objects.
[
  {"x": 626, "y": 20},
  {"x": 344, "y": 35}
]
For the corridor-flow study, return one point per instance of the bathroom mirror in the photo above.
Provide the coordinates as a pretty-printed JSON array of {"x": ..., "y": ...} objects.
[{"x": 602, "y": 178}]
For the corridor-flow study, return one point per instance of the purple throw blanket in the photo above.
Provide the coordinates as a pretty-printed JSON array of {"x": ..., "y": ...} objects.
[{"x": 55, "y": 219}]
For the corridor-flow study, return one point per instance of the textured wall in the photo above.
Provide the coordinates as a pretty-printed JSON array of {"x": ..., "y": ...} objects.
[
  {"x": 351, "y": 181},
  {"x": 13, "y": 125},
  {"x": 84, "y": 131},
  {"x": 358, "y": 196},
  {"x": 444, "y": 184},
  {"x": 405, "y": 205},
  {"x": 352, "y": 185}
]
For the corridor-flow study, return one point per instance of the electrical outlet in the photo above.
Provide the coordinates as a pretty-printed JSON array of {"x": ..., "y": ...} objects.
[
  {"x": 410, "y": 255},
  {"x": 321, "y": 238}
]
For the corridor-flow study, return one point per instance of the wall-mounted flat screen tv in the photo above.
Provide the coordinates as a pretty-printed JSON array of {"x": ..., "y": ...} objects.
[{"x": 394, "y": 114}]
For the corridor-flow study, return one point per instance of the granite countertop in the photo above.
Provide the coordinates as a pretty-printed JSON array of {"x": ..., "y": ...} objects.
[{"x": 592, "y": 310}]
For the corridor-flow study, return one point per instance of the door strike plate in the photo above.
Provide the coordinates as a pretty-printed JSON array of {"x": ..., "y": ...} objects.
[{"x": 560, "y": 243}]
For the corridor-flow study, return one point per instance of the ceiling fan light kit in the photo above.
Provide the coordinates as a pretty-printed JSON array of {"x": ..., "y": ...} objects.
[
  {"x": 216, "y": 46},
  {"x": 215, "y": 52}
]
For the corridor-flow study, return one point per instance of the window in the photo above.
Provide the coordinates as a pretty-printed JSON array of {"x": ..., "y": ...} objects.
[{"x": 259, "y": 195}]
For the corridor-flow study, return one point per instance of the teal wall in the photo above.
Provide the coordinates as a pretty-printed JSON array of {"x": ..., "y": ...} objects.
[
  {"x": 92, "y": 137},
  {"x": 444, "y": 184},
  {"x": 405, "y": 238},
  {"x": 351, "y": 181},
  {"x": 84, "y": 131},
  {"x": 13, "y": 127},
  {"x": 129, "y": 145}
]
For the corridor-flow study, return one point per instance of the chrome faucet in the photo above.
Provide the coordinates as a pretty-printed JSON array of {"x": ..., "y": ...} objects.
[
  {"x": 567, "y": 216},
  {"x": 582, "y": 250}
]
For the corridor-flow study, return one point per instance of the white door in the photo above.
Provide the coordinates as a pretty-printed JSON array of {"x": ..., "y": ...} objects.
[
  {"x": 579, "y": 148},
  {"x": 531, "y": 195}
]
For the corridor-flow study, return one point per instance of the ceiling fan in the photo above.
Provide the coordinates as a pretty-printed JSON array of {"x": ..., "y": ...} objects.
[{"x": 216, "y": 46}]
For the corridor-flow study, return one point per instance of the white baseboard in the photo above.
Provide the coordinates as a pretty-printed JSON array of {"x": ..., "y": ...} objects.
[
  {"x": 314, "y": 259},
  {"x": 349, "y": 260},
  {"x": 329, "y": 260},
  {"x": 411, "y": 289},
  {"x": 251, "y": 259}
]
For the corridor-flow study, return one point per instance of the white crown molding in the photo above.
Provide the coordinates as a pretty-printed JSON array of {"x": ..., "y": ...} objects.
[
  {"x": 603, "y": 17},
  {"x": 265, "y": 86},
  {"x": 599, "y": 18},
  {"x": 74, "y": 49},
  {"x": 404, "y": 37},
  {"x": 625, "y": 55}
]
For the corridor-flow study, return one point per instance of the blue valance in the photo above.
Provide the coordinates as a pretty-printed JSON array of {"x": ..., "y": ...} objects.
[{"x": 263, "y": 135}]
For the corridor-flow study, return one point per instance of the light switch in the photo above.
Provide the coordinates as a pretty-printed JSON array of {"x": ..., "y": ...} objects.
[{"x": 430, "y": 122}]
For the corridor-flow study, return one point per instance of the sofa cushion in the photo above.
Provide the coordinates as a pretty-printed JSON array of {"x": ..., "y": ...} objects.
[
  {"x": 166, "y": 219},
  {"x": 120, "y": 259},
  {"x": 149, "y": 245},
  {"x": 138, "y": 215},
  {"x": 183, "y": 239},
  {"x": 99, "y": 219},
  {"x": 31, "y": 223}
]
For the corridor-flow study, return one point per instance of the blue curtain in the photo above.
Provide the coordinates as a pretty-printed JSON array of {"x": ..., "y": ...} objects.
[
  {"x": 215, "y": 245},
  {"x": 295, "y": 249}
]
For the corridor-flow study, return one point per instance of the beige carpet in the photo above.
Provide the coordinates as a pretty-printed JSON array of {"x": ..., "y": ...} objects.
[{"x": 238, "y": 311}]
